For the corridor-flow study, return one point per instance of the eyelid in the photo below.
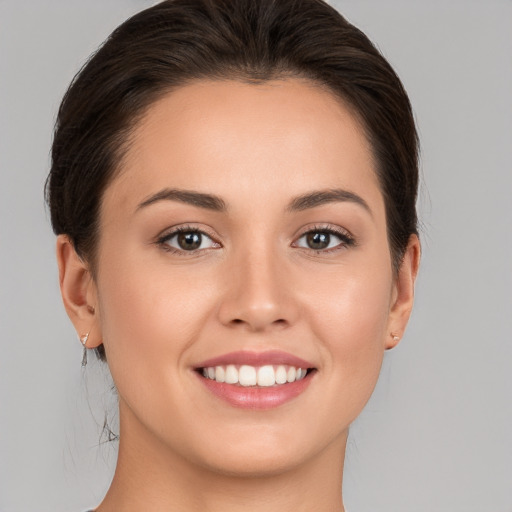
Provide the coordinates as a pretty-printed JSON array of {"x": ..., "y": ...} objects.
[{"x": 326, "y": 227}]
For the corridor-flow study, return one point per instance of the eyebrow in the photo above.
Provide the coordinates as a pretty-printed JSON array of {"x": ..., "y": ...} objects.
[
  {"x": 217, "y": 204},
  {"x": 321, "y": 197},
  {"x": 200, "y": 199}
]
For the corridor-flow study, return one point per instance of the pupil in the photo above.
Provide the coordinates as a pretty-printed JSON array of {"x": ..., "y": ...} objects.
[
  {"x": 189, "y": 241},
  {"x": 318, "y": 240}
]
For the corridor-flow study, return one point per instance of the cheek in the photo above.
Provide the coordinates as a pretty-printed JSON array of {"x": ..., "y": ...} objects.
[
  {"x": 150, "y": 314},
  {"x": 351, "y": 304},
  {"x": 350, "y": 317}
]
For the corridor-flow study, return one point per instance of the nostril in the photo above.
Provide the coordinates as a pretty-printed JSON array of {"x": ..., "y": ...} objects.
[
  {"x": 258, "y": 325},
  {"x": 239, "y": 321}
]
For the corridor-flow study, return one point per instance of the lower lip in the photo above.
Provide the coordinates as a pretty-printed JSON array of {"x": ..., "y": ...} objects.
[{"x": 257, "y": 397}]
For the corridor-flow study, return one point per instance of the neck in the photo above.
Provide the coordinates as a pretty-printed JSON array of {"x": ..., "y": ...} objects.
[{"x": 148, "y": 477}]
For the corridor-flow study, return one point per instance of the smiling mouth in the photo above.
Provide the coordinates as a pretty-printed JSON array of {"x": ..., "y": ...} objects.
[
  {"x": 256, "y": 380},
  {"x": 255, "y": 376}
]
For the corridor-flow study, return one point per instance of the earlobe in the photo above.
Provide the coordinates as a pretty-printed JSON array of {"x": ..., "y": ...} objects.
[
  {"x": 403, "y": 292},
  {"x": 78, "y": 292}
]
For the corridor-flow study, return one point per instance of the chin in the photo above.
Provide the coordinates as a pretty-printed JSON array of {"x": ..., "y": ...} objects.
[
  {"x": 255, "y": 465},
  {"x": 262, "y": 452}
]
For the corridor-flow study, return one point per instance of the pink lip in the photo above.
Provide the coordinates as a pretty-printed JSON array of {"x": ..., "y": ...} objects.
[
  {"x": 256, "y": 359},
  {"x": 256, "y": 397}
]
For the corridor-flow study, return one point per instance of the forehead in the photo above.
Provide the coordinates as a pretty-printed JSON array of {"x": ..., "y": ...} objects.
[{"x": 237, "y": 140}]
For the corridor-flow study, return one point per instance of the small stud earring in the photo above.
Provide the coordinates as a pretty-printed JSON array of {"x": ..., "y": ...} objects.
[
  {"x": 395, "y": 337},
  {"x": 83, "y": 341}
]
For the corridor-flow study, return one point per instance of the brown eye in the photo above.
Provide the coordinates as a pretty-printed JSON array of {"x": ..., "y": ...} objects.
[
  {"x": 189, "y": 241},
  {"x": 318, "y": 240},
  {"x": 324, "y": 240}
]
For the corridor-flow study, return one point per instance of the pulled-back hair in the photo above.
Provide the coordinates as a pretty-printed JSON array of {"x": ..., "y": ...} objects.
[{"x": 178, "y": 41}]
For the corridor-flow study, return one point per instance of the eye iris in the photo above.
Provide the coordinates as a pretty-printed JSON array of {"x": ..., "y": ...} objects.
[
  {"x": 318, "y": 240},
  {"x": 189, "y": 241}
]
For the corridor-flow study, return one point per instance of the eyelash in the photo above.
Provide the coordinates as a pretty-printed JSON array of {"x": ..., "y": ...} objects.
[{"x": 347, "y": 240}]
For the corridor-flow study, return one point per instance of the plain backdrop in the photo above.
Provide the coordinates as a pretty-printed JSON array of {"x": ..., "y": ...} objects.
[{"x": 437, "y": 433}]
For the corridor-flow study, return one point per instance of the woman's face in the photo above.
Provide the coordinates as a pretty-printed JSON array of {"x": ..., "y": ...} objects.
[{"x": 245, "y": 233}]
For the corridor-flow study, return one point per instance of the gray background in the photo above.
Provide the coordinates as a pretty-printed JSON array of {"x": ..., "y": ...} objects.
[{"x": 436, "y": 436}]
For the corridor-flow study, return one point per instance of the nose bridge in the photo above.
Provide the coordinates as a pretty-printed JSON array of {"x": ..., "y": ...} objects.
[{"x": 257, "y": 294}]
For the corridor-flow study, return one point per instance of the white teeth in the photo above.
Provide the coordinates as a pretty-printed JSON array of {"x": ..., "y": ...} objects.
[
  {"x": 266, "y": 376},
  {"x": 220, "y": 374},
  {"x": 292, "y": 373},
  {"x": 231, "y": 374},
  {"x": 280, "y": 375},
  {"x": 246, "y": 375}
]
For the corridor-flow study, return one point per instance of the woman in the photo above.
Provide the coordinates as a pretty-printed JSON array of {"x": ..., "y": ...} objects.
[{"x": 233, "y": 187}]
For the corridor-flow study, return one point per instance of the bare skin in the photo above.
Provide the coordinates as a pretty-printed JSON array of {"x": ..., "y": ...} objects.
[{"x": 254, "y": 282}]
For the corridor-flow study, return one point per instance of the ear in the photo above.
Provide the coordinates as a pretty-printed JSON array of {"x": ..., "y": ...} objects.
[
  {"x": 402, "y": 296},
  {"x": 78, "y": 292}
]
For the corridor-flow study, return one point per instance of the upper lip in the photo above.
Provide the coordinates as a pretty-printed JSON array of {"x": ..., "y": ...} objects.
[{"x": 270, "y": 357}]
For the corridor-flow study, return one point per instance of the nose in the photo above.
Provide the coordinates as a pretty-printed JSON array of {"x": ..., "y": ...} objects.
[{"x": 259, "y": 293}]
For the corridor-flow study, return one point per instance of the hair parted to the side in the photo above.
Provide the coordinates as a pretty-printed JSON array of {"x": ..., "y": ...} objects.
[{"x": 179, "y": 41}]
